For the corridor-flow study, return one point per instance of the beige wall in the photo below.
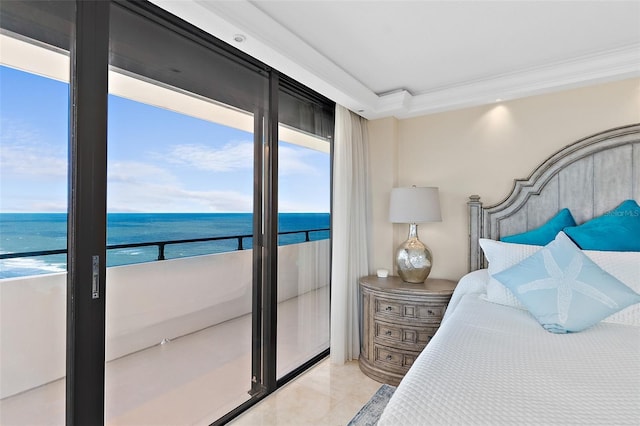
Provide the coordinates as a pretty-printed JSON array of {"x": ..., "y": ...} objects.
[
  {"x": 479, "y": 151},
  {"x": 383, "y": 136}
]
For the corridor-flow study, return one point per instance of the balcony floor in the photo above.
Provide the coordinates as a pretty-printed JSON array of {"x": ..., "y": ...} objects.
[{"x": 197, "y": 378}]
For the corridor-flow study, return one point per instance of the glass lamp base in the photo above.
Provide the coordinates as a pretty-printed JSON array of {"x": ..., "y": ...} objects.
[{"x": 414, "y": 259}]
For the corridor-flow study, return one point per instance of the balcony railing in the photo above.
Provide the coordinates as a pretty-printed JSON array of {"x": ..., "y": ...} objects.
[
  {"x": 162, "y": 244},
  {"x": 147, "y": 302}
]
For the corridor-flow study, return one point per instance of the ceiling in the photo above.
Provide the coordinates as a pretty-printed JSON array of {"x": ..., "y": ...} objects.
[{"x": 409, "y": 58}]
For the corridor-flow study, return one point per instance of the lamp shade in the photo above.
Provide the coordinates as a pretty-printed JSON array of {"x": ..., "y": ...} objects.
[{"x": 414, "y": 205}]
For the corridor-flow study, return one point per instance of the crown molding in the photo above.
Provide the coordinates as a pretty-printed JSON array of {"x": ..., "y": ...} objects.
[
  {"x": 276, "y": 46},
  {"x": 617, "y": 64}
]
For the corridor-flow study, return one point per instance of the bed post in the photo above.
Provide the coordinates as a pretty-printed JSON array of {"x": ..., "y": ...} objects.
[{"x": 475, "y": 232}]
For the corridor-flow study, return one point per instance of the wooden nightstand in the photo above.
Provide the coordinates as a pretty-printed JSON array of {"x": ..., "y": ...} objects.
[{"x": 398, "y": 320}]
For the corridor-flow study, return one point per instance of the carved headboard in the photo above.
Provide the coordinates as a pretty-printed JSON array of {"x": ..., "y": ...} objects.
[{"x": 589, "y": 177}]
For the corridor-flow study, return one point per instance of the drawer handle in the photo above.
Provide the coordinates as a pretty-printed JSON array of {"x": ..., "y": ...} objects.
[
  {"x": 388, "y": 333},
  {"x": 430, "y": 312},
  {"x": 389, "y": 357},
  {"x": 388, "y": 308}
]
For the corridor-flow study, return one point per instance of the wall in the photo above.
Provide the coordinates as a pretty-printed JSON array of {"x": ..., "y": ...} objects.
[
  {"x": 146, "y": 303},
  {"x": 480, "y": 151},
  {"x": 382, "y": 177}
]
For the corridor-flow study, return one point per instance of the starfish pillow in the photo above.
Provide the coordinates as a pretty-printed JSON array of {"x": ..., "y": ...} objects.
[{"x": 564, "y": 289}]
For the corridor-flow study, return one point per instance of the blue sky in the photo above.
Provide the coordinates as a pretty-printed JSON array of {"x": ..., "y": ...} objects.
[{"x": 159, "y": 160}]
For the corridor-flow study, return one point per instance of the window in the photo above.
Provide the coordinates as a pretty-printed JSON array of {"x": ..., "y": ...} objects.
[{"x": 192, "y": 129}]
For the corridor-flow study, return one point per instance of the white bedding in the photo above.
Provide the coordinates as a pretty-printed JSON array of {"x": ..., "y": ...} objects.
[{"x": 493, "y": 364}]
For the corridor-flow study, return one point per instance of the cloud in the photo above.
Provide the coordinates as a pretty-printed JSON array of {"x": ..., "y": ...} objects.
[
  {"x": 231, "y": 157},
  {"x": 137, "y": 187},
  {"x": 134, "y": 172},
  {"x": 48, "y": 206},
  {"x": 303, "y": 206},
  {"x": 162, "y": 198},
  {"x": 294, "y": 161},
  {"x": 27, "y": 154},
  {"x": 222, "y": 201},
  {"x": 15, "y": 131},
  {"x": 22, "y": 205},
  {"x": 239, "y": 156}
]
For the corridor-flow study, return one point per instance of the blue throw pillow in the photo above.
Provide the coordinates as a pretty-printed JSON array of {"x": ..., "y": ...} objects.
[
  {"x": 546, "y": 233},
  {"x": 564, "y": 289},
  {"x": 617, "y": 230}
]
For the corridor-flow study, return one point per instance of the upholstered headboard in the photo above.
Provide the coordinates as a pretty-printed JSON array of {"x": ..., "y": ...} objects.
[{"x": 589, "y": 177}]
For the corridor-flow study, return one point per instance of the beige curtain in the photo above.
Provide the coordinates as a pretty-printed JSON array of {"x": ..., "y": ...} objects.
[{"x": 350, "y": 232}]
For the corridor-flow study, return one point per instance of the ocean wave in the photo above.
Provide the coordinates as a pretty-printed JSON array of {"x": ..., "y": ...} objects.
[
  {"x": 131, "y": 252},
  {"x": 23, "y": 266}
]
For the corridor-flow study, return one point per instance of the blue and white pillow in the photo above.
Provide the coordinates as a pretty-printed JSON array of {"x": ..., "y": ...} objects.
[{"x": 564, "y": 289}]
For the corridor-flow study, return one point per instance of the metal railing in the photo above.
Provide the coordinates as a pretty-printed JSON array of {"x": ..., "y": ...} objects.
[{"x": 162, "y": 244}]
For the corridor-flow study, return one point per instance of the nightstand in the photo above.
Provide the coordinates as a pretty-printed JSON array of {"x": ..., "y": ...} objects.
[{"x": 398, "y": 320}]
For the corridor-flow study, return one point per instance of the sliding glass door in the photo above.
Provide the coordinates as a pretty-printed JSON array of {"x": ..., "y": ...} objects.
[
  {"x": 34, "y": 117},
  {"x": 194, "y": 219},
  {"x": 304, "y": 206},
  {"x": 180, "y": 219}
]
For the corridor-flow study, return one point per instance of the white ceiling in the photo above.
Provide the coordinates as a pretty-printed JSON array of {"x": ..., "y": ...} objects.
[{"x": 408, "y": 58}]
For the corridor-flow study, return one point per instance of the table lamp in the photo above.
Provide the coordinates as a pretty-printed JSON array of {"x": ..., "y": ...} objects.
[{"x": 414, "y": 205}]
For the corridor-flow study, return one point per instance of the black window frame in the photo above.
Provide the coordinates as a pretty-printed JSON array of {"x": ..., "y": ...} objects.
[{"x": 89, "y": 38}]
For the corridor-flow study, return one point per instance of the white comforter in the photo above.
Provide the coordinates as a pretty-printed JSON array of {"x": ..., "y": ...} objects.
[{"x": 493, "y": 364}]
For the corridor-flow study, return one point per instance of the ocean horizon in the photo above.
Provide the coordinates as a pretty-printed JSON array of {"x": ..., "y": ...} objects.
[{"x": 27, "y": 232}]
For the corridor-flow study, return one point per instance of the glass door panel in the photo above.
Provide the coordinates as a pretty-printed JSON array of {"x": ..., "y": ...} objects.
[
  {"x": 178, "y": 310},
  {"x": 180, "y": 227},
  {"x": 34, "y": 118},
  {"x": 304, "y": 205}
]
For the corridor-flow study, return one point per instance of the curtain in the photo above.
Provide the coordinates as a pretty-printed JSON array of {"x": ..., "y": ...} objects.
[{"x": 350, "y": 254}]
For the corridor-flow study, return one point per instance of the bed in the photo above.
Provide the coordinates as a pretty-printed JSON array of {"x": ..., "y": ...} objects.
[{"x": 503, "y": 356}]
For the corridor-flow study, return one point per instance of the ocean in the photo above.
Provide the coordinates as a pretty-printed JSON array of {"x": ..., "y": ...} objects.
[{"x": 25, "y": 232}]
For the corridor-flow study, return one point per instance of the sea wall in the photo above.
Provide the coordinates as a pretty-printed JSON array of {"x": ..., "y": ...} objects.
[{"x": 146, "y": 303}]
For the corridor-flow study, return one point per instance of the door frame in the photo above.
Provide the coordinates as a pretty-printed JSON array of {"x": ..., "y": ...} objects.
[{"x": 86, "y": 241}]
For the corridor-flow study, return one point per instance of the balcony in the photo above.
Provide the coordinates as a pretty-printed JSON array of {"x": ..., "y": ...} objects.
[{"x": 178, "y": 336}]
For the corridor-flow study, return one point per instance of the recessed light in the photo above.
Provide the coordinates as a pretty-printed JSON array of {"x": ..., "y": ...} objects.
[
  {"x": 239, "y": 38},
  {"x": 498, "y": 99}
]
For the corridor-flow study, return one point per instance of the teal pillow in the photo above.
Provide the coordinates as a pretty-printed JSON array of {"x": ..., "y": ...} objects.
[
  {"x": 564, "y": 289},
  {"x": 617, "y": 230},
  {"x": 546, "y": 233}
]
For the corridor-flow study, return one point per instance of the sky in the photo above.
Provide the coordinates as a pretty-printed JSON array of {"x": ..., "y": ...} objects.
[{"x": 158, "y": 160}]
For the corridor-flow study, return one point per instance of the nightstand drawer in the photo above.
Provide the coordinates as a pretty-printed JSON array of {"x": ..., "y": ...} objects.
[
  {"x": 391, "y": 309},
  {"x": 398, "y": 321},
  {"x": 414, "y": 338},
  {"x": 393, "y": 359}
]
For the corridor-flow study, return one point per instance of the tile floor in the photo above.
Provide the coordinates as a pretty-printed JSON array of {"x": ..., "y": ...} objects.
[
  {"x": 326, "y": 395},
  {"x": 197, "y": 378}
]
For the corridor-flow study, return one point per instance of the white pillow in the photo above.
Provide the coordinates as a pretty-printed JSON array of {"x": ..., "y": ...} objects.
[
  {"x": 625, "y": 266},
  {"x": 502, "y": 256}
]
